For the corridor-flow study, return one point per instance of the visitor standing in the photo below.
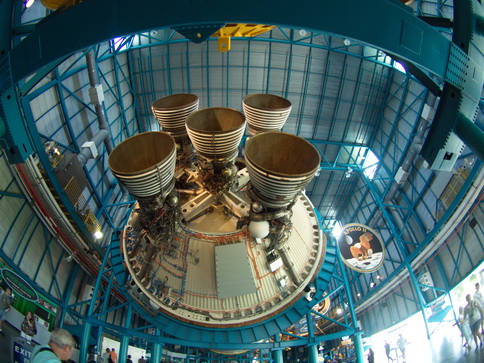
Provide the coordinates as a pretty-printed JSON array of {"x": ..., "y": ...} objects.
[
  {"x": 28, "y": 327},
  {"x": 480, "y": 300},
  {"x": 59, "y": 349},
  {"x": 473, "y": 313},
  {"x": 5, "y": 299},
  {"x": 114, "y": 356},
  {"x": 106, "y": 355},
  {"x": 371, "y": 356},
  {"x": 402, "y": 345},
  {"x": 464, "y": 328},
  {"x": 387, "y": 351}
]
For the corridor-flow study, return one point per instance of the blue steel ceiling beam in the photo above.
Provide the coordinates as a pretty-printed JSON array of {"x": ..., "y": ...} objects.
[
  {"x": 420, "y": 75},
  {"x": 464, "y": 81},
  {"x": 10, "y": 230},
  {"x": 382, "y": 107},
  {"x": 12, "y": 195},
  {"x": 392, "y": 278},
  {"x": 268, "y": 68},
  {"x": 167, "y": 67},
  {"x": 396, "y": 119},
  {"x": 131, "y": 83},
  {"x": 415, "y": 40},
  {"x": 353, "y": 103},
  {"x": 287, "y": 79},
  {"x": 59, "y": 89},
  {"x": 75, "y": 65},
  {"x": 226, "y": 64},
  {"x": 27, "y": 86},
  {"x": 207, "y": 75},
  {"x": 334, "y": 116},
  {"x": 321, "y": 99},
  {"x": 23, "y": 235}
]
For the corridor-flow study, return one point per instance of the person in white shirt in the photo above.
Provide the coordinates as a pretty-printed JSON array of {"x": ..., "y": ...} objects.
[
  {"x": 478, "y": 298},
  {"x": 106, "y": 355}
]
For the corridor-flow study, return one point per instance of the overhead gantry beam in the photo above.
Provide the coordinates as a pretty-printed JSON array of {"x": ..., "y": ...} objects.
[{"x": 387, "y": 25}]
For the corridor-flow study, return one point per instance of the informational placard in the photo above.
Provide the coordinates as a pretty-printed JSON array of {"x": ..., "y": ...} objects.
[
  {"x": 19, "y": 285},
  {"x": 361, "y": 248}
]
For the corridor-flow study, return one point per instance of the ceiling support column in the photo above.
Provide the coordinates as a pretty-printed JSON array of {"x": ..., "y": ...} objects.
[
  {"x": 123, "y": 349},
  {"x": 156, "y": 348},
  {"x": 277, "y": 356},
  {"x": 313, "y": 353},
  {"x": 391, "y": 224},
  {"x": 357, "y": 335},
  {"x": 84, "y": 343}
]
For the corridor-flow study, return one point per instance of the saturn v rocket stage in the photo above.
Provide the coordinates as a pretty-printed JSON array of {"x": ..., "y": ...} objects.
[{"x": 221, "y": 236}]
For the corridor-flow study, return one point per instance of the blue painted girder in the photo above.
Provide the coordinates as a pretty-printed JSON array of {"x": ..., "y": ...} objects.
[{"x": 387, "y": 25}]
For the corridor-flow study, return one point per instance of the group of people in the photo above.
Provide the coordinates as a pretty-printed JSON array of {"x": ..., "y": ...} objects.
[
  {"x": 402, "y": 346},
  {"x": 471, "y": 319},
  {"x": 61, "y": 343},
  {"x": 28, "y": 328},
  {"x": 110, "y": 356}
]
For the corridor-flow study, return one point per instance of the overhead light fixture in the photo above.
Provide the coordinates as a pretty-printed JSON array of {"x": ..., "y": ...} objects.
[
  {"x": 337, "y": 230},
  {"x": 98, "y": 235},
  {"x": 347, "y": 42},
  {"x": 348, "y": 172},
  {"x": 370, "y": 165},
  {"x": 28, "y": 3},
  {"x": 398, "y": 66}
]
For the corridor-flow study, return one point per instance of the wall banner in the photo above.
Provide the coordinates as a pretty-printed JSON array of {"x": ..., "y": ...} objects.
[
  {"x": 361, "y": 248},
  {"x": 19, "y": 285}
]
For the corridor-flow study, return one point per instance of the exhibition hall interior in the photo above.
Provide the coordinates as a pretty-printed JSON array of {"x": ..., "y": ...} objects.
[{"x": 207, "y": 181}]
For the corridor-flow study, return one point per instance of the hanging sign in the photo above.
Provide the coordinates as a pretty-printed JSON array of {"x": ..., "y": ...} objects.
[
  {"x": 19, "y": 285},
  {"x": 361, "y": 248}
]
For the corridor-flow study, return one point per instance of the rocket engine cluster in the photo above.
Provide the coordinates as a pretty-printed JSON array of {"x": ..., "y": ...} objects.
[{"x": 222, "y": 234}]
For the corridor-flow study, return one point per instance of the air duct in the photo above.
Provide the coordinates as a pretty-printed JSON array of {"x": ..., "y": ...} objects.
[{"x": 97, "y": 99}]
